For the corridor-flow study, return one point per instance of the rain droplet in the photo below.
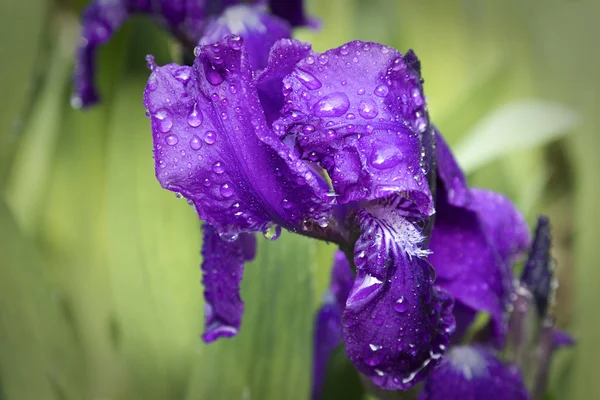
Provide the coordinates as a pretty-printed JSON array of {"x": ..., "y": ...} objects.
[
  {"x": 195, "y": 117},
  {"x": 344, "y": 50},
  {"x": 309, "y": 80},
  {"x": 172, "y": 140},
  {"x": 218, "y": 167},
  {"x": 213, "y": 76},
  {"x": 226, "y": 190},
  {"x": 368, "y": 109},
  {"x": 401, "y": 305},
  {"x": 272, "y": 232},
  {"x": 385, "y": 155},
  {"x": 332, "y": 105},
  {"x": 152, "y": 83},
  {"x": 164, "y": 120},
  {"x": 382, "y": 90},
  {"x": 195, "y": 143},
  {"x": 228, "y": 237},
  {"x": 210, "y": 137},
  {"x": 182, "y": 74}
]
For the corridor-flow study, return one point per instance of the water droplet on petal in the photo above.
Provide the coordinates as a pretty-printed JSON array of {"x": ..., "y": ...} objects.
[
  {"x": 226, "y": 190},
  {"x": 385, "y": 155},
  {"x": 213, "y": 76},
  {"x": 152, "y": 83},
  {"x": 210, "y": 137},
  {"x": 164, "y": 120},
  {"x": 172, "y": 140},
  {"x": 309, "y": 80},
  {"x": 228, "y": 237},
  {"x": 272, "y": 232},
  {"x": 182, "y": 74},
  {"x": 401, "y": 305},
  {"x": 218, "y": 167},
  {"x": 368, "y": 109},
  {"x": 382, "y": 90},
  {"x": 195, "y": 143},
  {"x": 195, "y": 117},
  {"x": 332, "y": 105}
]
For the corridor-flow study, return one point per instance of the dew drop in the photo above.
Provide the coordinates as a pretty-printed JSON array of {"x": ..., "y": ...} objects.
[
  {"x": 218, "y": 167},
  {"x": 172, "y": 140},
  {"x": 210, "y": 137},
  {"x": 272, "y": 232},
  {"x": 182, "y": 74},
  {"x": 195, "y": 117},
  {"x": 152, "y": 83},
  {"x": 382, "y": 90},
  {"x": 309, "y": 80},
  {"x": 344, "y": 50},
  {"x": 226, "y": 190},
  {"x": 368, "y": 109},
  {"x": 385, "y": 155},
  {"x": 213, "y": 76},
  {"x": 228, "y": 237},
  {"x": 195, "y": 143},
  {"x": 164, "y": 120},
  {"x": 401, "y": 305},
  {"x": 332, "y": 105}
]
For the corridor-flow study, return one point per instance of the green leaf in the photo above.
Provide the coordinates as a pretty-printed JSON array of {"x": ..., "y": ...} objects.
[
  {"x": 41, "y": 357},
  {"x": 513, "y": 127},
  {"x": 21, "y": 27}
]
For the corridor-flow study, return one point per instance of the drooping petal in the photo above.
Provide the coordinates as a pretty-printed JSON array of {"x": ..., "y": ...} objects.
[
  {"x": 222, "y": 269},
  {"x": 359, "y": 111},
  {"x": 212, "y": 144},
  {"x": 475, "y": 240},
  {"x": 396, "y": 323},
  {"x": 259, "y": 29},
  {"x": 473, "y": 373},
  {"x": 328, "y": 321}
]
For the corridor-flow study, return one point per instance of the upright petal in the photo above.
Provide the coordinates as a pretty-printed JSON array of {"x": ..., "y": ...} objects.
[
  {"x": 477, "y": 236},
  {"x": 283, "y": 57},
  {"x": 259, "y": 29},
  {"x": 222, "y": 269},
  {"x": 473, "y": 373},
  {"x": 212, "y": 144},
  {"x": 359, "y": 111},
  {"x": 396, "y": 324},
  {"x": 328, "y": 321}
]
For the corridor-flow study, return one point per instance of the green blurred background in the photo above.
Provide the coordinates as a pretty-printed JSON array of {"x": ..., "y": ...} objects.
[{"x": 99, "y": 281}]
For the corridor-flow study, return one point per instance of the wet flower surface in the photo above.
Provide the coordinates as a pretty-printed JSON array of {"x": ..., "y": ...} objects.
[{"x": 262, "y": 133}]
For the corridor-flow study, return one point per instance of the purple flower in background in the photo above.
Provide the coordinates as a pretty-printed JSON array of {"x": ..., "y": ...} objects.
[
  {"x": 188, "y": 21},
  {"x": 262, "y": 133}
]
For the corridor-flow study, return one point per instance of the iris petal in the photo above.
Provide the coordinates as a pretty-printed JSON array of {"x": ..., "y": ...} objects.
[
  {"x": 396, "y": 323},
  {"x": 212, "y": 145},
  {"x": 259, "y": 29},
  {"x": 470, "y": 373},
  {"x": 222, "y": 269},
  {"x": 359, "y": 111},
  {"x": 475, "y": 240}
]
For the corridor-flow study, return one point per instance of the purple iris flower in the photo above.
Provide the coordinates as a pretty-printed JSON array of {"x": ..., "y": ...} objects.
[
  {"x": 262, "y": 133},
  {"x": 187, "y": 20}
]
